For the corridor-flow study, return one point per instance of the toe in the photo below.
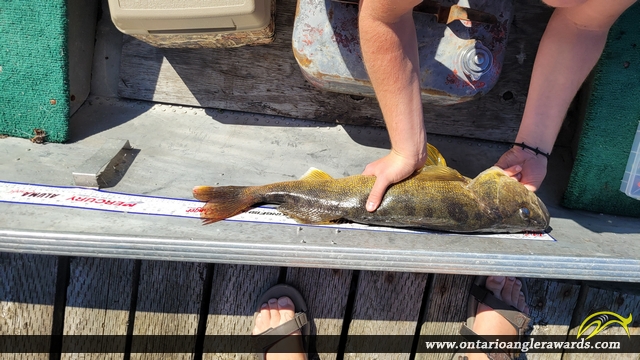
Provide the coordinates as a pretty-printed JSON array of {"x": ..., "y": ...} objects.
[
  {"x": 262, "y": 320},
  {"x": 286, "y": 308},
  {"x": 522, "y": 304},
  {"x": 274, "y": 312},
  {"x": 515, "y": 292},
  {"x": 495, "y": 285},
  {"x": 507, "y": 290}
]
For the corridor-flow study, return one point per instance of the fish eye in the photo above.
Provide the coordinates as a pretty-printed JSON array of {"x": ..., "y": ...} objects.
[{"x": 525, "y": 213}]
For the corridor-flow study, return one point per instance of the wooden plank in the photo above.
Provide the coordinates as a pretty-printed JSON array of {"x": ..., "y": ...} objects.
[
  {"x": 27, "y": 293},
  {"x": 266, "y": 79},
  {"x": 98, "y": 302},
  {"x": 446, "y": 309},
  {"x": 386, "y": 303},
  {"x": 551, "y": 305},
  {"x": 623, "y": 301},
  {"x": 234, "y": 296},
  {"x": 169, "y": 300},
  {"x": 326, "y": 292}
]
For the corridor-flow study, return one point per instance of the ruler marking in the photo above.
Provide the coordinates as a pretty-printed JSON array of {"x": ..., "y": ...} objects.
[{"x": 95, "y": 199}]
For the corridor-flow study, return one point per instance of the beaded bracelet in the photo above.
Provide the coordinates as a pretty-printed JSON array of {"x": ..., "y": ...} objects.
[{"x": 535, "y": 150}]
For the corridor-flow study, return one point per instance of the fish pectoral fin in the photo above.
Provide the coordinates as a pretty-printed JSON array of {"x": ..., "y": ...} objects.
[
  {"x": 315, "y": 174},
  {"x": 440, "y": 173},
  {"x": 307, "y": 216}
]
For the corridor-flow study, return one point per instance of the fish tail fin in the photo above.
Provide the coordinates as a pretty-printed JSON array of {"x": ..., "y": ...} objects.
[{"x": 223, "y": 201}]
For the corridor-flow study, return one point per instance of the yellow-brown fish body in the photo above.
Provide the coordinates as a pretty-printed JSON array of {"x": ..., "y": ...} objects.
[{"x": 436, "y": 197}]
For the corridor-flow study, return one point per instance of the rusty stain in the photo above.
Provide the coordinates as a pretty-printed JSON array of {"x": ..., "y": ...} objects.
[
  {"x": 40, "y": 136},
  {"x": 303, "y": 60},
  {"x": 297, "y": 9},
  {"x": 344, "y": 40},
  {"x": 310, "y": 34},
  {"x": 435, "y": 92},
  {"x": 52, "y": 101},
  {"x": 455, "y": 80}
]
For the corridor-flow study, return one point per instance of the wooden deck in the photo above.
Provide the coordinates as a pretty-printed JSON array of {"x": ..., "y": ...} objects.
[{"x": 42, "y": 295}]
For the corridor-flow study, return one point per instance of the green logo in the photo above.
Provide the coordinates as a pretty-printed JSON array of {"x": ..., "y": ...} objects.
[{"x": 602, "y": 320}]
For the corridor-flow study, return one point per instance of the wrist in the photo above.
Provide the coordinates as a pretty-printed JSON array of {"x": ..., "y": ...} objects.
[
  {"x": 415, "y": 157},
  {"x": 532, "y": 150}
]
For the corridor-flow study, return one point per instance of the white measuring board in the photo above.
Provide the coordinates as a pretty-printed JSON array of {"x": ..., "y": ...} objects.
[{"x": 93, "y": 199}]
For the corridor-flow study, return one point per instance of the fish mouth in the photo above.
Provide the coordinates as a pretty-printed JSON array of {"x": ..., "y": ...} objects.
[{"x": 545, "y": 213}]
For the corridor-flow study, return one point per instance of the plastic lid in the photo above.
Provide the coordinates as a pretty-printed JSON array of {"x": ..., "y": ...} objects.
[
  {"x": 180, "y": 17},
  {"x": 631, "y": 180}
]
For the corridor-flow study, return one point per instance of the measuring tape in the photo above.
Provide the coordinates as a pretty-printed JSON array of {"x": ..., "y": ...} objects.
[{"x": 94, "y": 199}]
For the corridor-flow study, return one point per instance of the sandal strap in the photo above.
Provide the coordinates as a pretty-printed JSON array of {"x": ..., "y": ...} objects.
[
  {"x": 269, "y": 337},
  {"x": 472, "y": 336},
  {"x": 519, "y": 320}
]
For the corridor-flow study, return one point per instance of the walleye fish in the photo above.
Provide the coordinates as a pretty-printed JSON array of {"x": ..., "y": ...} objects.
[{"x": 435, "y": 197}]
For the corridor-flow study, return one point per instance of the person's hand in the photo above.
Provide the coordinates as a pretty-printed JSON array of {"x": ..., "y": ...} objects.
[
  {"x": 389, "y": 170},
  {"x": 524, "y": 166}
]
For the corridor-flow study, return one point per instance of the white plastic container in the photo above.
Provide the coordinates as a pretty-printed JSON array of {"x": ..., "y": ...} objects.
[
  {"x": 180, "y": 17},
  {"x": 631, "y": 180}
]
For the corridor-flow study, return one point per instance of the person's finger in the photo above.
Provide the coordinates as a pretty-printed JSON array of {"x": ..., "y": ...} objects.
[
  {"x": 531, "y": 187},
  {"x": 376, "y": 194},
  {"x": 513, "y": 170}
]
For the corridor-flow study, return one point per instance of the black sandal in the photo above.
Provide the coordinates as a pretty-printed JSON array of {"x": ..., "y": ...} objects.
[
  {"x": 519, "y": 320},
  {"x": 268, "y": 338}
]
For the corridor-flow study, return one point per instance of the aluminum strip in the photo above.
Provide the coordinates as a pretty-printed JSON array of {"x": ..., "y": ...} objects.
[{"x": 153, "y": 248}]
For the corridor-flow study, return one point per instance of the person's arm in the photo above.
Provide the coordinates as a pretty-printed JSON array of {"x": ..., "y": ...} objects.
[
  {"x": 570, "y": 47},
  {"x": 390, "y": 52}
]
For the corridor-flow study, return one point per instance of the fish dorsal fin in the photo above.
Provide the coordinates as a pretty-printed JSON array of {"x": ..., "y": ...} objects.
[
  {"x": 434, "y": 157},
  {"x": 315, "y": 174},
  {"x": 440, "y": 173}
]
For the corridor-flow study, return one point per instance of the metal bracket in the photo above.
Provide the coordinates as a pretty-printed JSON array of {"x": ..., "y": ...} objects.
[{"x": 110, "y": 153}]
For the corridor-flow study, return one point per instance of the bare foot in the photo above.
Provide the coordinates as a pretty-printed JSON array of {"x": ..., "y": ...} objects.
[
  {"x": 272, "y": 314},
  {"x": 489, "y": 322}
]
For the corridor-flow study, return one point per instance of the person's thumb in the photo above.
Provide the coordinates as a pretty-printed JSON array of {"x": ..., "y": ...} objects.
[
  {"x": 513, "y": 170},
  {"x": 376, "y": 194}
]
